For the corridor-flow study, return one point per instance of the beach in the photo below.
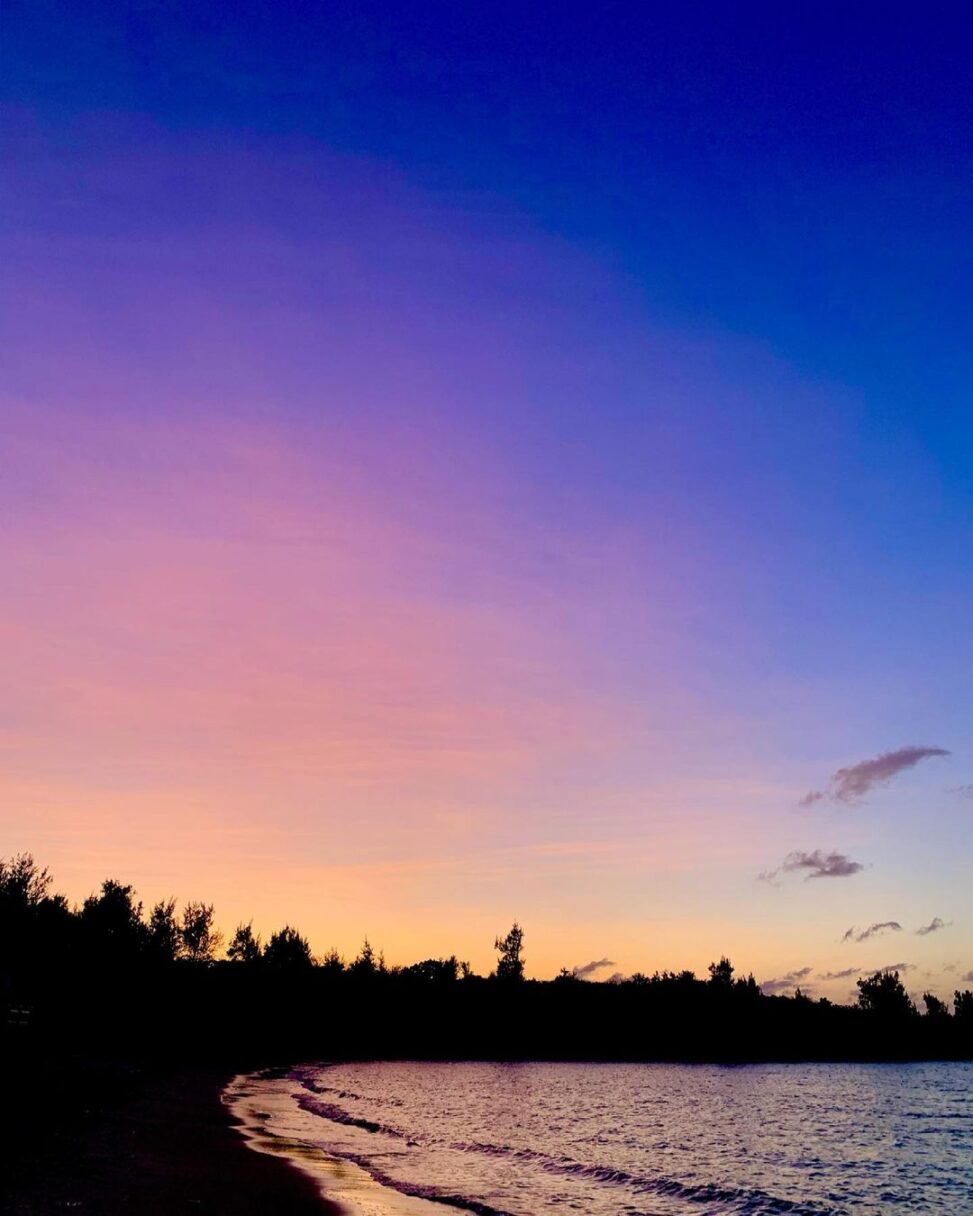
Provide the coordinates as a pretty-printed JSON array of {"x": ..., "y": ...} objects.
[{"x": 161, "y": 1145}]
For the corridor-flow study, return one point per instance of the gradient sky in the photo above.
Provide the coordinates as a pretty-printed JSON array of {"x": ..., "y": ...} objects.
[{"x": 468, "y": 463}]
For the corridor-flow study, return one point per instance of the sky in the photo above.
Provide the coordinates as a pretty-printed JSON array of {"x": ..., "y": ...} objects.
[{"x": 467, "y": 464}]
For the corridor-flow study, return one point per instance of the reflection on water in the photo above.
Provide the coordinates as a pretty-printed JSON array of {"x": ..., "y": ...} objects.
[{"x": 604, "y": 1139}]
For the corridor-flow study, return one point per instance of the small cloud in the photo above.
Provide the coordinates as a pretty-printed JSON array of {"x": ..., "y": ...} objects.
[
  {"x": 896, "y": 967},
  {"x": 617, "y": 977},
  {"x": 769, "y": 876},
  {"x": 840, "y": 975},
  {"x": 589, "y": 969},
  {"x": 821, "y": 865},
  {"x": 850, "y": 785},
  {"x": 817, "y": 864},
  {"x": 950, "y": 967},
  {"x": 876, "y": 930},
  {"x": 811, "y": 797},
  {"x": 785, "y": 983},
  {"x": 934, "y": 926},
  {"x": 968, "y": 978},
  {"x": 961, "y": 791}
]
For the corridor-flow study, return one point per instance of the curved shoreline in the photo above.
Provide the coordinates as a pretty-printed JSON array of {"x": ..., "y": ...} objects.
[{"x": 345, "y": 1186}]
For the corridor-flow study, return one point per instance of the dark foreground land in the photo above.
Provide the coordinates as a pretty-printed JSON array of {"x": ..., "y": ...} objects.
[{"x": 110, "y": 1139}]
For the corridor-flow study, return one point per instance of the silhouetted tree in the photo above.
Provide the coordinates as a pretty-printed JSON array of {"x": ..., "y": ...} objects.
[
  {"x": 198, "y": 936},
  {"x": 721, "y": 973},
  {"x": 332, "y": 963},
  {"x": 365, "y": 962},
  {"x": 23, "y": 884},
  {"x": 935, "y": 1008},
  {"x": 113, "y": 920},
  {"x": 287, "y": 950},
  {"x": 35, "y": 927},
  {"x": 245, "y": 946},
  {"x": 884, "y": 995},
  {"x": 963, "y": 1007},
  {"x": 435, "y": 970},
  {"x": 163, "y": 933},
  {"x": 510, "y": 965}
]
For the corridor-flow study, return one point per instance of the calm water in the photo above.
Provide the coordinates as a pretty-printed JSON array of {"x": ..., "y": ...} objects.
[{"x": 606, "y": 1139}]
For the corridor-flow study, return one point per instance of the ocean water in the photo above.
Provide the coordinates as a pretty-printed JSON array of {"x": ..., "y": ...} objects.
[{"x": 632, "y": 1139}]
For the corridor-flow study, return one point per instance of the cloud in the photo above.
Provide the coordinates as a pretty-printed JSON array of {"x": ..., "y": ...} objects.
[
  {"x": 811, "y": 797},
  {"x": 817, "y": 864},
  {"x": 849, "y": 785},
  {"x": 783, "y": 983},
  {"x": 589, "y": 969},
  {"x": 896, "y": 967},
  {"x": 968, "y": 978},
  {"x": 961, "y": 791},
  {"x": 884, "y": 926},
  {"x": 934, "y": 926},
  {"x": 840, "y": 975}
]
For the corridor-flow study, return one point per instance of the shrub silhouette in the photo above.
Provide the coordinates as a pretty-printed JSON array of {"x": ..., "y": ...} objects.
[
  {"x": 287, "y": 950},
  {"x": 245, "y": 946},
  {"x": 883, "y": 995},
  {"x": 163, "y": 937},
  {"x": 199, "y": 939},
  {"x": 112, "y": 921}
]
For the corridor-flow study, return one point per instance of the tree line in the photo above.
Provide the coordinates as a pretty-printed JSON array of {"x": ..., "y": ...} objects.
[{"x": 111, "y": 974}]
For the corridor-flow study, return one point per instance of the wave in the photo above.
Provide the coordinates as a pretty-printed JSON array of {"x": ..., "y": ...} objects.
[
  {"x": 749, "y": 1202},
  {"x": 328, "y": 1110},
  {"x": 416, "y": 1190},
  {"x": 308, "y": 1080},
  {"x": 753, "y": 1201}
]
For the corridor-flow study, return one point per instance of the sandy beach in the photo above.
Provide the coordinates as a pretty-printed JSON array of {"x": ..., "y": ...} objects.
[{"x": 167, "y": 1146}]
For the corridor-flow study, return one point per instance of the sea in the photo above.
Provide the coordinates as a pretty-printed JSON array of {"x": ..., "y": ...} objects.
[{"x": 536, "y": 1139}]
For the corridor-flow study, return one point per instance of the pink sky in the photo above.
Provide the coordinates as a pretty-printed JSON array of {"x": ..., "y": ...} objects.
[{"x": 396, "y": 571}]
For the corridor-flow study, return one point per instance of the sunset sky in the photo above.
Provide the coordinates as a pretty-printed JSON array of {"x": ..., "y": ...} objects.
[{"x": 464, "y": 463}]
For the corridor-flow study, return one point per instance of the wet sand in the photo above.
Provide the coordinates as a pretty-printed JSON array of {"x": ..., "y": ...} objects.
[{"x": 168, "y": 1146}]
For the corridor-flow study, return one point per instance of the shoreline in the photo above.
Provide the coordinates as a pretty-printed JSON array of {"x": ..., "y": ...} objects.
[
  {"x": 168, "y": 1145},
  {"x": 255, "y": 1099}
]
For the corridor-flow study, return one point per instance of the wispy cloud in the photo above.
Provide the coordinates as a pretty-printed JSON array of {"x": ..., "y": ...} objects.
[
  {"x": 817, "y": 865},
  {"x": 880, "y": 927},
  {"x": 840, "y": 975},
  {"x": 784, "y": 983},
  {"x": 896, "y": 967},
  {"x": 589, "y": 969},
  {"x": 968, "y": 978},
  {"x": 850, "y": 785},
  {"x": 961, "y": 791},
  {"x": 934, "y": 926}
]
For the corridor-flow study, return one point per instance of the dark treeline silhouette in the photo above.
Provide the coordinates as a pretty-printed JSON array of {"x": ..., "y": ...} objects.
[{"x": 110, "y": 977}]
